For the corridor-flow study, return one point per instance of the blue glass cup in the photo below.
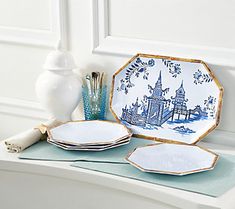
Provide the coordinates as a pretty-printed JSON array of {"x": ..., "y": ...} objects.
[{"x": 94, "y": 103}]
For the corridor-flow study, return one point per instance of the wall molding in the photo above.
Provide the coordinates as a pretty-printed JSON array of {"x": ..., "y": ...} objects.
[
  {"x": 104, "y": 43},
  {"x": 42, "y": 38},
  {"x": 22, "y": 108}
]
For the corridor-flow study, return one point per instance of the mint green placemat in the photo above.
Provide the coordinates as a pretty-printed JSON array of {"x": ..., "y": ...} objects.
[
  {"x": 45, "y": 151},
  {"x": 212, "y": 183}
]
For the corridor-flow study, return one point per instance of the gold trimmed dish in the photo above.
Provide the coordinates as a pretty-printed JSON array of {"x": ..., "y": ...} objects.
[
  {"x": 89, "y": 148},
  {"x": 166, "y": 98},
  {"x": 173, "y": 159},
  {"x": 93, "y": 135}
]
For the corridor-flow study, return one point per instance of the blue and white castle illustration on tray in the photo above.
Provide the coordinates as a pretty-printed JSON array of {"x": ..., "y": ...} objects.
[{"x": 157, "y": 110}]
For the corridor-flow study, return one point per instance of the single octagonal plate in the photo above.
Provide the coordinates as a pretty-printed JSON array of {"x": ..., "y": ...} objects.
[
  {"x": 166, "y": 98},
  {"x": 91, "y": 132},
  {"x": 174, "y": 159}
]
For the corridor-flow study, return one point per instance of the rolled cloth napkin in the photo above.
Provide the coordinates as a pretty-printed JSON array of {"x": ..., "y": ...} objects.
[{"x": 25, "y": 139}]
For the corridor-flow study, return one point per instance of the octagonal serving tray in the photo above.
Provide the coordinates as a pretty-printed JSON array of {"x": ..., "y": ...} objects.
[
  {"x": 166, "y": 98},
  {"x": 173, "y": 159}
]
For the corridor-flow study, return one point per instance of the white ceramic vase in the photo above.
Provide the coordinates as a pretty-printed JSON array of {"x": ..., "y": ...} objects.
[{"x": 59, "y": 88}]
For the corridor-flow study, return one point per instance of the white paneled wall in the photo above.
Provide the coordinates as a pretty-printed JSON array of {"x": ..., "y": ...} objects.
[
  {"x": 201, "y": 22},
  {"x": 102, "y": 35},
  {"x": 25, "y": 14}
]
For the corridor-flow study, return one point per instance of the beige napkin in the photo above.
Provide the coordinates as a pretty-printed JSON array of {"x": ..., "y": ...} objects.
[{"x": 25, "y": 139}]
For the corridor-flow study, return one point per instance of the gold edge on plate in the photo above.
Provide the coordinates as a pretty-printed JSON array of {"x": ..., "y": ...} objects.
[
  {"x": 218, "y": 115},
  {"x": 87, "y": 149},
  {"x": 90, "y": 143},
  {"x": 169, "y": 58},
  {"x": 129, "y": 133},
  {"x": 216, "y": 157},
  {"x": 89, "y": 146}
]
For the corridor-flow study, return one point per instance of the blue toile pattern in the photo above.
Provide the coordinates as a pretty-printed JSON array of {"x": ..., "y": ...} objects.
[
  {"x": 210, "y": 103},
  {"x": 183, "y": 130},
  {"x": 155, "y": 109},
  {"x": 136, "y": 69},
  {"x": 200, "y": 78},
  {"x": 174, "y": 68}
]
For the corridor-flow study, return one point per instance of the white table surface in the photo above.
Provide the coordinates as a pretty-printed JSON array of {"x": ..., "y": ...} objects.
[{"x": 17, "y": 175}]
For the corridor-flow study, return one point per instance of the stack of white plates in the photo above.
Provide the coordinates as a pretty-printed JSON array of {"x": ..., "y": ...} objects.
[{"x": 93, "y": 135}]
